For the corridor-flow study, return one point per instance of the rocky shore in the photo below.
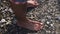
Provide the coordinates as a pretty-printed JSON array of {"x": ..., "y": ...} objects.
[{"x": 48, "y": 12}]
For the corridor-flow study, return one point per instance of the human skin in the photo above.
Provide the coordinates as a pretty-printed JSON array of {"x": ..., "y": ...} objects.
[
  {"x": 32, "y": 3},
  {"x": 20, "y": 10}
]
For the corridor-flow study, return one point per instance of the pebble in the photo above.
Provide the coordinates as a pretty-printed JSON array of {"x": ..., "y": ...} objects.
[
  {"x": 47, "y": 11},
  {"x": 3, "y": 20}
]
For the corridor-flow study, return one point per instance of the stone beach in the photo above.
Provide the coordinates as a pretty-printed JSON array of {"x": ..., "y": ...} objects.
[{"x": 48, "y": 12}]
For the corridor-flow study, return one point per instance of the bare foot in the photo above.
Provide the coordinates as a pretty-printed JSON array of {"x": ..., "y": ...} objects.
[
  {"x": 32, "y": 3},
  {"x": 21, "y": 14},
  {"x": 31, "y": 25}
]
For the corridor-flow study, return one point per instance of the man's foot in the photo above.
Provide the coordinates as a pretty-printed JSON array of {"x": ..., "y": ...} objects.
[
  {"x": 20, "y": 12},
  {"x": 31, "y": 25},
  {"x": 32, "y": 3}
]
